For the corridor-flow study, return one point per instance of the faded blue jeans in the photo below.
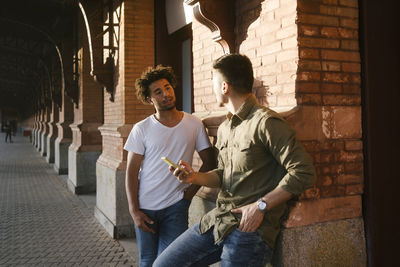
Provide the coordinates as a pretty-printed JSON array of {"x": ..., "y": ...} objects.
[
  {"x": 169, "y": 223},
  {"x": 195, "y": 249}
]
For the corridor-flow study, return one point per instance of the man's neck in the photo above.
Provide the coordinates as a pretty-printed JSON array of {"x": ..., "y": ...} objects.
[
  {"x": 235, "y": 102},
  {"x": 169, "y": 117}
]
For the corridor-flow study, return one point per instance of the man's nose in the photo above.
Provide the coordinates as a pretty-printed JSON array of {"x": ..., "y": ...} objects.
[{"x": 166, "y": 92}]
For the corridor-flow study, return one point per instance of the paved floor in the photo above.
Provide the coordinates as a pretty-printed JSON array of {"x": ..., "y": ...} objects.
[{"x": 41, "y": 222}]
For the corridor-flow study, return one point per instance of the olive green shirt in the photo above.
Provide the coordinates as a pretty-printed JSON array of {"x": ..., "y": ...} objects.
[{"x": 258, "y": 151}]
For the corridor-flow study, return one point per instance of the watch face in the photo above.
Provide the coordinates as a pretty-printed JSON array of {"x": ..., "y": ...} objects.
[{"x": 262, "y": 205}]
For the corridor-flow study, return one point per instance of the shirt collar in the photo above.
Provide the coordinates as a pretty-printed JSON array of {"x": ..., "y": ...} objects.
[{"x": 244, "y": 109}]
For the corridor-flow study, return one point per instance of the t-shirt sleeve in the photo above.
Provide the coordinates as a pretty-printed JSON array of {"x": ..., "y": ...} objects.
[
  {"x": 202, "y": 140},
  {"x": 135, "y": 141}
]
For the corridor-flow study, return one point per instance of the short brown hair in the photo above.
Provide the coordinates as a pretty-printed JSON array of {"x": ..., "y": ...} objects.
[
  {"x": 237, "y": 70},
  {"x": 150, "y": 75}
]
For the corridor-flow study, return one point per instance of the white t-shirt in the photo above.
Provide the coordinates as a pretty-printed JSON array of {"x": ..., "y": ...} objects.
[{"x": 158, "y": 187}]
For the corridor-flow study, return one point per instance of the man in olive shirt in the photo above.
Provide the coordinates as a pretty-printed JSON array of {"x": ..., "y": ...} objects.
[{"x": 261, "y": 166}]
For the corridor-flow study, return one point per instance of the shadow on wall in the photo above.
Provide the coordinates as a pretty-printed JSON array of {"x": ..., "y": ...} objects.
[{"x": 261, "y": 92}]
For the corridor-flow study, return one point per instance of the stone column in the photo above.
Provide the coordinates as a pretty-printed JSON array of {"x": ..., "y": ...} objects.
[
  {"x": 88, "y": 116},
  {"x": 53, "y": 133},
  {"x": 45, "y": 131},
  {"x": 40, "y": 130},
  {"x": 66, "y": 116},
  {"x": 136, "y": 52},
  {"x": 35, "y": 128}
]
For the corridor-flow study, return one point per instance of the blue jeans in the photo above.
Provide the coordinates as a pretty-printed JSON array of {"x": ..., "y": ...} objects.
[
  {"x": 169, "y": 223},
  {"x": 195, "y": 249}
]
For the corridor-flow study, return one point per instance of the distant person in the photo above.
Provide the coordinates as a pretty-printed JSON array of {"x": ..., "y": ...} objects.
[
  {"x": 261, "y": 166},
  {"x": 8, "y": 129},
  {"x": 158, "y": 202}
]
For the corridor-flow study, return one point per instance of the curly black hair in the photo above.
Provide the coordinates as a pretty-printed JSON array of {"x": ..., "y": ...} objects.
[{"x": 150, "y": 75}]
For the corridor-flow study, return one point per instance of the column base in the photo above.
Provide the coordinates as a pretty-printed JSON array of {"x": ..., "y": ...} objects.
[
  {"x": 61, "y": 156},
  {"x": 111, "y": 203},
  {"x": 335, "y": 243},
  {"x": 113, "y": 230},
  {"x": 43, "y": 142},
  {"x": 50, "y": 149},
  {"x": 82, "y": 171}
]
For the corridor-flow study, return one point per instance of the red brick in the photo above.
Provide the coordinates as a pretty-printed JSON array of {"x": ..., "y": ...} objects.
[
  {"x": 318, "y": 20},
  {"x": 349, "y": 44},
  {"x": 308, "y": 87},
  {"x": 356, "y": 189},
  {"x": 353, "y": 145},
  {"x": 309, "y": 53},
  {"x": 318, "y": 42},
  {"x": 353, "y": 167},
  {"x": 331, "y": 88},
  {"x": 340, "y": 55},
  {"x": 351, "y": 67},
  {"x": 348, "y": 100},
  {"x": 349, "y": 3},
  {"x": 309, "y": 76},
  {"x": 310, "y": 99},
  {"x": 310, "y": 65},
  {"x": 308, "y": 30},
  {"x": 346, "y": 179},
  {"x": 330, "y": 32},
  {"x": 333, "y": 191}
]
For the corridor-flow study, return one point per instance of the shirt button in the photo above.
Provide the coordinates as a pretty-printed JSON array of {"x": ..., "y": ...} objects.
[{"x": 218, "y": 219}]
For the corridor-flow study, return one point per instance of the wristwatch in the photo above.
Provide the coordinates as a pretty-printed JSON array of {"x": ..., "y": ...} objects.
[{"x": 262, "y": 205}]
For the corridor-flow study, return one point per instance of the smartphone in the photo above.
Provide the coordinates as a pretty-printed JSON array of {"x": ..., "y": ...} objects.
[{"x": 171, "y": 163}]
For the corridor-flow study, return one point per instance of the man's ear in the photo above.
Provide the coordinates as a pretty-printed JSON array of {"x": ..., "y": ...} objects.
[{"x": 225, "y": 87}]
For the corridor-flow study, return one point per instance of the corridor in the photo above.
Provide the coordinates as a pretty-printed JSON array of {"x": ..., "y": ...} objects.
[{"x": 41, "y": 222}]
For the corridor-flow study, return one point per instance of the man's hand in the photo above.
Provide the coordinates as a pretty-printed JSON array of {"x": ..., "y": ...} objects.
[
  {"x": 140, "y": 220},
  {"x": 185, "y": 173},
  {"x": 252, "y": 217}
]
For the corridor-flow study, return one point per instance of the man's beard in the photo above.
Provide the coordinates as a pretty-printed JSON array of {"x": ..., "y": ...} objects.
[{"x": 170, "y": 107}]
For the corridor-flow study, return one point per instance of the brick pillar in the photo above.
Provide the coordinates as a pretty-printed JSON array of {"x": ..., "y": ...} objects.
[
  {"x": 328, "y": 91},
  {"x": 136, "y": 52},
  {"x": 66, "y": 117},
  {"x": 35, "y": 128},
  {"x": 39, "y": 129},
  {"x": 88, "y": 116},
  {"x": 64, "y": 139},
  {"x": 45, "y": 131},
  {"x": 53, "y": 133},
  {"x": 306, "y": 63}
]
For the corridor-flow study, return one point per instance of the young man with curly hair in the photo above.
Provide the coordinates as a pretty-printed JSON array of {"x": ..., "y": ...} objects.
[{"x": 158, "y": 203}]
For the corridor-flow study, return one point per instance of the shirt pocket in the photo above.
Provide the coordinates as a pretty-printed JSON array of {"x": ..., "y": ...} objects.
[{"x": 243, "y": 156}]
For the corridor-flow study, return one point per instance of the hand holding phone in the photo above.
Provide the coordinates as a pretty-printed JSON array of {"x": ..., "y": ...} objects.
[{"x": 173, "y": 164}]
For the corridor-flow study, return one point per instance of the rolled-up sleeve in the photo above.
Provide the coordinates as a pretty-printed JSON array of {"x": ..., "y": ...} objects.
[{"x": 281, "y": 140}]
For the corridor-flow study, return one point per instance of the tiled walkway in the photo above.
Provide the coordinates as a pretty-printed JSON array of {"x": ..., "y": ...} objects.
[{"x": 41, "y": 222}]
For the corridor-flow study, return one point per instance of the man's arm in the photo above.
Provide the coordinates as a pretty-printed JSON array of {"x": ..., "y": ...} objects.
[
  {"x": 208, "y": 158},
  {"x": 252, "y": 217},
  {"x": 131, "y": 186},
  {"x": 289, "y": 153},
  {"x": 209, "y": 179}
]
